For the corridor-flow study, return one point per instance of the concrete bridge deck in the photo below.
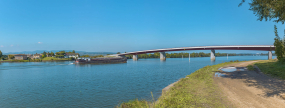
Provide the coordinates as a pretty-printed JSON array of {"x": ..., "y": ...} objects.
[{"x": 268, "y": 48}]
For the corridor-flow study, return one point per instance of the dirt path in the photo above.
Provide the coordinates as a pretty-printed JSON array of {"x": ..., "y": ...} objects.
[{"x": 252, "y": 89}]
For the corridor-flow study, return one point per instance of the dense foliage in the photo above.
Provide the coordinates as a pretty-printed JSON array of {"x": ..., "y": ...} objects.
[
  {"x": 279, "y": 46},
  {"x": 1, "y": 56},
  {"x": 11, "y": 56}
]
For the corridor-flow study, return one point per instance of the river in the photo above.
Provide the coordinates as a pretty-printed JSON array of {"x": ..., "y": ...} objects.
[{"x": 64, "y": 84}]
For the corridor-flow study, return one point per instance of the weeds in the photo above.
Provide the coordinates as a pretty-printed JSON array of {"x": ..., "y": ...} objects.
[{"x": 272, "y": 67}]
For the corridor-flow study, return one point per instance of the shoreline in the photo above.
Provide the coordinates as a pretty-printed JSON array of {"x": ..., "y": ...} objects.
[
  {"x": 35, "y": 61},
  {"x": 195, "y": 90},
  {"x": 243, "y": 87}
]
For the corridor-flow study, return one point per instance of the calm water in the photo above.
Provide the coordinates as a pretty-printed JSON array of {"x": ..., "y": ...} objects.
[{"x": 63, "y": 84}]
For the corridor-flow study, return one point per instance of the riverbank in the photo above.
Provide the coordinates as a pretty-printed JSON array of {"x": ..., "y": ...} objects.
[
  {"x": 195, "y": 90},
  {"x": 271, "y": 68},
  {"x": 40, "y": 60},
  {"x": 245, "y": 88},
  {"x": 56, "y": 59}
]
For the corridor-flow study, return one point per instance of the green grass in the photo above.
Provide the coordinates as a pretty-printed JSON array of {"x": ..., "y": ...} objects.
[
  {"x": 196, "y": 90},
  {"x": 55, "y": 59},
  {"x": 39, "y": 60},
  {"x": 135, "y": 104},
  {"x": 250, "y": 67},
  {"x": 15, "y": 60},
  {"x": 272, "y": 68}
]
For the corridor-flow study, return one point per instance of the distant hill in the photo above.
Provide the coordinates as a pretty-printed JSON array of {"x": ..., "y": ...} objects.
[{"x": 79, "y": 52}]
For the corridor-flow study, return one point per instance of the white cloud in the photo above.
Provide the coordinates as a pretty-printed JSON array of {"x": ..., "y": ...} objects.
[
  {"x": 1, "y": 46},
  {"x": 39, "y": 42},
  {"x": 11, "y": 45}
]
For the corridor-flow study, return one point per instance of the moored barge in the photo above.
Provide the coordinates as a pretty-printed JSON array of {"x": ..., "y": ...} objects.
[{"x": 101, "y": 60}]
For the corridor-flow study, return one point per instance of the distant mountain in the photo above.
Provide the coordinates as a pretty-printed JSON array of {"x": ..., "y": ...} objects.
[{"x": 79, "y": 52}]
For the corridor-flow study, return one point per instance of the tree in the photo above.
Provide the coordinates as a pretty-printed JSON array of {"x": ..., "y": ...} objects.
[
  {"x": 62, "y": 52},
  {"x": 51, "y": 53},
  {"x": 43, "y": 56},
  {"x": 118, "y": 53},
  {"x": 73, "y": 51},
  {"x": 1, "y": 54},
  {"x": 11, "y": 56},
  {"x": 44, "y": 53},
  {"x": 268, "y": 9},
  {"x": 279, "y": 45}
]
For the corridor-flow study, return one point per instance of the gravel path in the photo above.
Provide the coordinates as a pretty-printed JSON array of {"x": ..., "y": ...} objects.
[{"x": 253, "y": 89}]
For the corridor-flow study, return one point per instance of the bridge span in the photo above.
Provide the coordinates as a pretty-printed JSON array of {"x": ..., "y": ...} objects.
[{"x": 268, "y": 48}]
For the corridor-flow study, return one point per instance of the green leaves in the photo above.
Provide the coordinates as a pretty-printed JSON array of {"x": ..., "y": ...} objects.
[
  {"x": 268, "y": 9},
  {"x": 279, "y": 45}
]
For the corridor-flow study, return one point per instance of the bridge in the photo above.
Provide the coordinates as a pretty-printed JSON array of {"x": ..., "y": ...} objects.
[{"x": 268, "y": 48}]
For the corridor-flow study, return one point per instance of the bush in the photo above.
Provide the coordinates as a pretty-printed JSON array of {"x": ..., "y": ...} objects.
[{"x": 72, "y": 58}]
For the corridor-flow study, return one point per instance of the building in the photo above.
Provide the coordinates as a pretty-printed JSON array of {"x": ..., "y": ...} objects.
[
  {"x": 69, "y": 55},
  {"x": 37, "y": 56},
  {"x": 20, "y": 57}
]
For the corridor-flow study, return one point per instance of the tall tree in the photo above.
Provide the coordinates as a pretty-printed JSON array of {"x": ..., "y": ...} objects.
[
  {"x": 44, "y": 53},
  {"x": 1, "y": 54},
  {"x": 279, "y": 45},
  {"x": 268, "y": 9},
  {"x": 51, "y": 53},
  {"x": 73, "y": 51},
  {"x": 11, "y": 56}
]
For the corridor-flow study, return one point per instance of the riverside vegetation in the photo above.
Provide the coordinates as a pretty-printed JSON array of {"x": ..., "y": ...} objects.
[
  {"x": 46, "y": 56},
  {"x": 270, "y": 67}
]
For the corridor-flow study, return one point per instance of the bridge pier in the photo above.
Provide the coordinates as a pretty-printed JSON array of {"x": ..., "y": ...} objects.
[
  {"x": 269, "y": 55},
  {"x": 162, "y": 56},
  {"x": 213, "y": 57},
  {"x": 135, "y": 57}
]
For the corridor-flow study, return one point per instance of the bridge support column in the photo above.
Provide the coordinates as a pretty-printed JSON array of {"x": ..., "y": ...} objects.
[
  {"x": 269, "y": 55},
  {"x": 213, "y": 57},
  {"x": 135, "y": 57},
  {"x": 162, "y": 56}
]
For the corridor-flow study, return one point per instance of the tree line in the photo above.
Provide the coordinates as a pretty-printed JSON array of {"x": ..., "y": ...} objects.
[{"x": 194, "y": 54}]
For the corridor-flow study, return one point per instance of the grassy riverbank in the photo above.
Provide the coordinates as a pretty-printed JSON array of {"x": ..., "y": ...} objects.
[
  {"x": 55, "y": 59},
  {"x": 40, "y": 60},
  {"x": 195, "y": 90},
  {"x": 271, "y": 67},
  {"x": 15, "y": 61},
  {"x": 36, "y": 60}
]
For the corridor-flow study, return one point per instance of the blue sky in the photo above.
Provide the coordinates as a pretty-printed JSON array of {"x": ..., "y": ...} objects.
[{"x": 128, "y": 25}]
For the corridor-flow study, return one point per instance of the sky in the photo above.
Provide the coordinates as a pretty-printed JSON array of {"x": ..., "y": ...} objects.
[{"x": 129, "y": 25}]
